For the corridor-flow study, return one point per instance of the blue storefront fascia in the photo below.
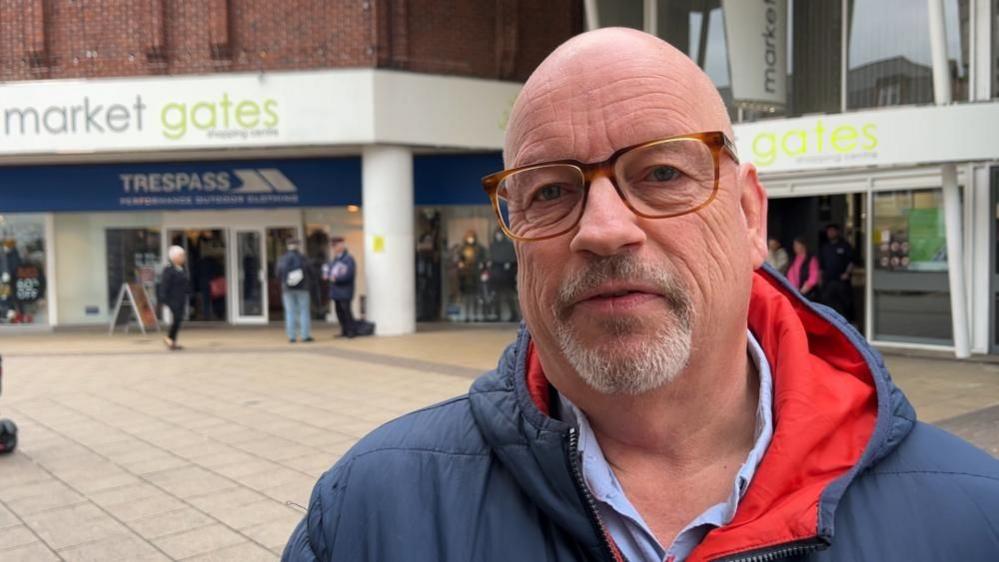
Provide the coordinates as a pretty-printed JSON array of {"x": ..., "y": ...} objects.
[{"x": 451, "y": 179}]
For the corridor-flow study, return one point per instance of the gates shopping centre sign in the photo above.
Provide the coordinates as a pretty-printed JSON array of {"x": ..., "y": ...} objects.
[
  {"x": 313, "y": 182},
  {"x": 887, "y": 137},
  {"x": 329, "y": 107}
]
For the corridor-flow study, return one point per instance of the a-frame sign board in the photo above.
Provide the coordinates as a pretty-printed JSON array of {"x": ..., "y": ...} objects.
[{"x": 133, "y": 303}]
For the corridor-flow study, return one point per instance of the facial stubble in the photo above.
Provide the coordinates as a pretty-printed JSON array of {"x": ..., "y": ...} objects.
[{"x": 663, "y": 344}]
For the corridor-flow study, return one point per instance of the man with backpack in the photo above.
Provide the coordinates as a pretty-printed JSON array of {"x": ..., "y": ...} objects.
[{"x": 293, "y": 272}]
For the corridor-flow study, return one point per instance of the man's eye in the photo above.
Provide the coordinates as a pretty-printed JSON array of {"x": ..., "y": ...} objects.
[
  {"x": 663, "y": 173},
  {"x": 549, "y": 193}
]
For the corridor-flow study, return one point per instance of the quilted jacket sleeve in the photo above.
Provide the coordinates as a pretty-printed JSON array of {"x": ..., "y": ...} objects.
[{"x": 313, "y": 538}]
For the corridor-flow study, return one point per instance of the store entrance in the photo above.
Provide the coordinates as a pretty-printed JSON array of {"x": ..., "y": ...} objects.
[
  {"x": 806, "y": 218},
  {"x": 206, "y": 259}
]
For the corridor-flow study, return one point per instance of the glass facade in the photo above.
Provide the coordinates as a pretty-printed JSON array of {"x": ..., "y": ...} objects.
[
  {"x": 696, "y": 27},
  {"x": 911, "y": 294},
  {"x": 133, "y": 256},
  {"x": 23, "y": 285},
  {"x": 887, "y": 61}
]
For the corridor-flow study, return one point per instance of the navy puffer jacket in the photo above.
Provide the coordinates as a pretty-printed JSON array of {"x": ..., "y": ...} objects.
[{"x": 850, "y": 475}]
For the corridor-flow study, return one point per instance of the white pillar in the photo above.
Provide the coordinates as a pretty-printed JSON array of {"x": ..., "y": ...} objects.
[
  {"x": 955, "y": 259},
  {"x": 389, "y": 262},
  {"x": 938, "y": 50},
  {"x": 650, "y": 17},
  {"x": 592, "y": 16},
  {"x": 953, "y": 221}
]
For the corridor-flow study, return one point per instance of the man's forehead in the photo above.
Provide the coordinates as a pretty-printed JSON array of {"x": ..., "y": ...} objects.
[
  {"x": 590, "y": 128},
  {"x": 606, "y": 91}
]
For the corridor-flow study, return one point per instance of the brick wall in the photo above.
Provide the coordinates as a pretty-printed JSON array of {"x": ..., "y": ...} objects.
[{"x": 504, "y": 39}]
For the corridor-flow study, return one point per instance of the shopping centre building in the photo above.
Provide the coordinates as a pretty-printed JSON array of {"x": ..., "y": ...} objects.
[{"x": 228, "y": 127}]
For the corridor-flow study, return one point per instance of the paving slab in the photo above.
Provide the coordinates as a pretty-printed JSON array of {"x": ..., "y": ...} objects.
[{"x": 129, "y": 452}]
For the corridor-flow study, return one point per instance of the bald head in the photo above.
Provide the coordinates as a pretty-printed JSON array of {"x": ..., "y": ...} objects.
[{"x": 607, "y": 89}]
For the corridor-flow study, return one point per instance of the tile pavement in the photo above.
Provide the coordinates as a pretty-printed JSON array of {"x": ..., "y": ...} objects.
[{"x": 129, "y": 452}]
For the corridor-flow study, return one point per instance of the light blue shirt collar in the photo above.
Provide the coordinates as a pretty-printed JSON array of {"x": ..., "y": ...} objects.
[{"x": 625, "y": 525}]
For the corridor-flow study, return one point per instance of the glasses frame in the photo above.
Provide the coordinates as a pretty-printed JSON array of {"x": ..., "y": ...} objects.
[{"x": 716, "y": 141}]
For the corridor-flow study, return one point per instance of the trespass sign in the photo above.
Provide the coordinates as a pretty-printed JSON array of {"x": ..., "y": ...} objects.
[{"x": 906, "y": 136}]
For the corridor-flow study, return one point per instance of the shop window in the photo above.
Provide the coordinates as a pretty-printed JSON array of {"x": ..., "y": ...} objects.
[
  {"x": 911, "y": 294},
  {"x": 23, "y": 289},
  {"x": 466, "y": 268},
  {"x": 133, "y": 256}
]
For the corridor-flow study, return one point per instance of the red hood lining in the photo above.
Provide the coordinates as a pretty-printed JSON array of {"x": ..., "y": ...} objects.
[{"x": 825, "y": 409}]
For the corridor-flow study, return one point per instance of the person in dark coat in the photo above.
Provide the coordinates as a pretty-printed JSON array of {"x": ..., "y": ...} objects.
[
  {"x": 669, "y": 396},
  {"x": 340, "y": 272},
  {"x": 175, "y": 288},
  {"x": 836, "y": 263}
]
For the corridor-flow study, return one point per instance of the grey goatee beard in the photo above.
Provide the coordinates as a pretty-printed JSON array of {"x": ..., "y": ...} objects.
[{"x": 609, "y": 368}]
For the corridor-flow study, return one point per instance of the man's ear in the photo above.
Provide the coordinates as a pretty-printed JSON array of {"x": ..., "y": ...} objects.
[{"x": 754, "y": 209}]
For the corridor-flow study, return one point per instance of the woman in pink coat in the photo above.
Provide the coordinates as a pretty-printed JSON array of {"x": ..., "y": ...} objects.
[{"x": 804, "y": 271}]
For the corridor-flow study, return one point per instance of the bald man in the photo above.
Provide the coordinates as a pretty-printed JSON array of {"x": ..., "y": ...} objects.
[{"x": 670, "y": 397}]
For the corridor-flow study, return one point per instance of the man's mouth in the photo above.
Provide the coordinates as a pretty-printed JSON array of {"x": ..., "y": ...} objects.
[{"x": 617, "y": 297}]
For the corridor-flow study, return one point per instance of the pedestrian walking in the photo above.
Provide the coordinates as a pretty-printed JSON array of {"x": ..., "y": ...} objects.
[
  {"x": 293, "y": 272},
  {"x": 340, "y": 272},
  {"x": 175, "y": 288}
]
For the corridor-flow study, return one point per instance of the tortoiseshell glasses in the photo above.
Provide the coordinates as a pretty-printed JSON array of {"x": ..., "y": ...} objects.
[{"x": 658, "y": 179}]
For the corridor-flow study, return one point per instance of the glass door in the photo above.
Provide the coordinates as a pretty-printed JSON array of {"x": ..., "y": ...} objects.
[{"x": 249, "y": 297}]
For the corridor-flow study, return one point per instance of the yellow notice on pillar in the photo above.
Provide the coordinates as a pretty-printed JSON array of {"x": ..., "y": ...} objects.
[{"x": 378, "y": 244}]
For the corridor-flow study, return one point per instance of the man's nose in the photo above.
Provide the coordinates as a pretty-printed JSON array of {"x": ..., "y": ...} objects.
[{"x": 607, "y": 226}]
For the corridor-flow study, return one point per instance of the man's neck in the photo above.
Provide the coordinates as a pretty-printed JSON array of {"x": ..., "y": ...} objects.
[{"x": 676, "y": 451}]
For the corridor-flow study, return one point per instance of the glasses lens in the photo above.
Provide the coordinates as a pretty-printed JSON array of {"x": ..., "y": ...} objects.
[
  {"x": 541, "y": 201},
  {"x": 667, "y": 178}
]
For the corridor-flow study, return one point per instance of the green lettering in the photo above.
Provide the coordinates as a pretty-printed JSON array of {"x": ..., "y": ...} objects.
[
  {"x": 802, "y": 142},
  {"x": 872, "y": 141},
  {"x": 201, "y": 107},
  {"x": 174, "y": 127},
  {"x": 765, "y": 149},
  {"x": 247, "y": 114},
  {"x": 820, "y": 133},
  {"x": 844, "y": 138},
  {"x": 225, "y": 103},
  {"x": 270, "y": 107}
]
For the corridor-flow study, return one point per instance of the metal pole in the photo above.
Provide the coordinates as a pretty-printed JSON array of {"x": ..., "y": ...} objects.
[
  {"x": 702, "y": 43},
  {"x": 650, "y": 16},
  {"x": 844, "y": 52},
  {"x": 953, "y": 220},
  {"x": 592, "y": 16}
]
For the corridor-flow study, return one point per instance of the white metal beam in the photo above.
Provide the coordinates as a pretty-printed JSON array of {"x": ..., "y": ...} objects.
[{"x": 953, "y": 221}]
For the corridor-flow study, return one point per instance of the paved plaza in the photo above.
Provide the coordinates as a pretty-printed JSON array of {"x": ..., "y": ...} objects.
[{"x": 129, "y": 452}]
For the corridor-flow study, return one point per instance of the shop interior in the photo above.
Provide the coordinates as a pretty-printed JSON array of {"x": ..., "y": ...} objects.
[{"x": 808, "y": 217}]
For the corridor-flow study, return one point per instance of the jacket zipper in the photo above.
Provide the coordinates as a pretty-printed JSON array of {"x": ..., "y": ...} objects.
[
  {"x": 589, "y": 500},
  {"x": 779, "y": 552}
]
